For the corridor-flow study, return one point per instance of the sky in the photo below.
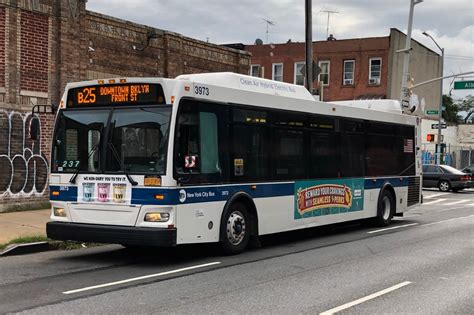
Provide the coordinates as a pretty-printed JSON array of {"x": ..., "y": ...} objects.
[{"x": 449, "y": 22}]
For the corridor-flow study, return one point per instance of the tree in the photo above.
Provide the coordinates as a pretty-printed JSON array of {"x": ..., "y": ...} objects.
[
  {"x": 450, "y": 114},
  {"x": 467, "y": 105}
]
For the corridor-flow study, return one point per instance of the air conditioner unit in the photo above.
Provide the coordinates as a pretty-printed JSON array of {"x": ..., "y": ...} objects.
[
  {"x": 348, "y": 82},
  {"x": 374, "y": 81}
]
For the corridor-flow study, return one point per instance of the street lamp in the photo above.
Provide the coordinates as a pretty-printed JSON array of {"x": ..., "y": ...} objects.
[
  {"x": 404, "y": 96},
  {"x": 438, "y": 156}
]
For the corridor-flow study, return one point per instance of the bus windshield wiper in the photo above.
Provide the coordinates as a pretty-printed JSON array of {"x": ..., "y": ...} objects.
[
  {"x": 115, "y": 154},
  {"x": 74, "y": 176}
]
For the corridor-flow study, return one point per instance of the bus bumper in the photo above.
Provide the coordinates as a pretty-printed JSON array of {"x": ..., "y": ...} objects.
[{"x": 125, "y": 235}]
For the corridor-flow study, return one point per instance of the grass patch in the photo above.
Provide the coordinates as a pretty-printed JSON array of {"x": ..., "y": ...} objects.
[
  {"x": 66, "y": 245},
  {"x": 25, "y": 239}
]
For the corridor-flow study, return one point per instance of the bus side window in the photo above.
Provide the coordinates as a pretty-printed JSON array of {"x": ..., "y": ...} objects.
[
  {"x": 197, "y": 142},
  {"x": 187, "y": 157},
  {"x": 288, "y": 154},
  {"x": 208, "y": 145},
  {"x": 352, "y": 156},
  {"x": 324, "y": 157},
  {"x": 324, "y": 160},
  {"x": 250, "y": 146}
]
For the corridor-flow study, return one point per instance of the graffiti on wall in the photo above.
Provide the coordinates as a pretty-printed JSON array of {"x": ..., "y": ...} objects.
[{"x": 23, "y": 167}]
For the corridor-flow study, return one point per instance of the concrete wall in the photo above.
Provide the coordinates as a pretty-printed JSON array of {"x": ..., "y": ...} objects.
[
  {"x": 459, "y": 142},
  {"x": 424, "y": 65},
  {"x": 450, "y": 135},
  {"x": 466, "y": 135}
]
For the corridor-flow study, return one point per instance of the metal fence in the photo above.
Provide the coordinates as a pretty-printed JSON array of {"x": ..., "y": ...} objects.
[{"x": 455, "y": 156}]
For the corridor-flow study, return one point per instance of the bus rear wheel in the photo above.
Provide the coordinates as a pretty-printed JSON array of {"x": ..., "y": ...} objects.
[
  {"x": 235, "y": 229},
  {"x": 385, "y": 209}
]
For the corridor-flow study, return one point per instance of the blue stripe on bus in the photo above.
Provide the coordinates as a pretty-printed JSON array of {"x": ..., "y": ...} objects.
[
  {"x": 208, "y": 194},
  {"x": 171, "y": 196},
  {"x": 146, "y": 196},
  {"x": 380, "y": 182},
  {"x": 66, "y": 193}
]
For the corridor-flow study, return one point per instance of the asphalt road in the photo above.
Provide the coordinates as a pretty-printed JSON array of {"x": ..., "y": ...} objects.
[{"x": 423, "y": 264}]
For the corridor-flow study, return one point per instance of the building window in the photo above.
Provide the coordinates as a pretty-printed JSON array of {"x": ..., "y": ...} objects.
[
  {"x": 299, "y": 73},
  {"x": 255, "y": 70},
  {"x": 375, "y": 70},
  {"x": 348, "y": 76},
  {"x": 324, "y": 75},
  {"x": 277, "y": 73}
]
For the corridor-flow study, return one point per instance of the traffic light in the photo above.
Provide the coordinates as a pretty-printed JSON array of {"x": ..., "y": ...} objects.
[
  {"x": 430, "y": 137},
  {"x": 443, "y": 147}
]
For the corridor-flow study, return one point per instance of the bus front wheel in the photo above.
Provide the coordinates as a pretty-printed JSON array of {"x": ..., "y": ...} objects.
[
  {"x": 385, "y": 209},
  {"x": 235, "y": 229}
]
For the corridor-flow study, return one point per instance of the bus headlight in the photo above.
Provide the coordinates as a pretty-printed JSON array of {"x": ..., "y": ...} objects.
[
  {"x": 157, "y": 217},
  {"x": 59, "y": 212}
]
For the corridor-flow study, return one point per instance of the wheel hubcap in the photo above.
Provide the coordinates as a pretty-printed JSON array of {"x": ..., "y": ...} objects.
[
  {"x": 386, "y": 207},
  {"x": 444, "y": 186},
  {"x": 236, "y": 228}
]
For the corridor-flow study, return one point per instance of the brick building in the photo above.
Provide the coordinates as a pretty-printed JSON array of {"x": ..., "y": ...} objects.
[
  {"x": 362, "y": 68},
  {"x": 46, "y": 43}
]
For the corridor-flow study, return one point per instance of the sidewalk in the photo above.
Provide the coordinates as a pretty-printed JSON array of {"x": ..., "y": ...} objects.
[{"x": 23, "y": 223}]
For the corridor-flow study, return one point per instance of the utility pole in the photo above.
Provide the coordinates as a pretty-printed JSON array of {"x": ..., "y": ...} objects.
[
  {"x": 404, "y": 97},
  {"x": 329, "y": 12},
  {"x": 440, "y": 110},
  {"x": 309, "y": 45}
]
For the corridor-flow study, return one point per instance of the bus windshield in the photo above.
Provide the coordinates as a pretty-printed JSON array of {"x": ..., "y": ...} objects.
[{"x": 119, "y": 140}]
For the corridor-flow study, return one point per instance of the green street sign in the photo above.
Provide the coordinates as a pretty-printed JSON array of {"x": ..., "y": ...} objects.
[
  {"x": 431, "y": 112},
  {"x": 464, "y": 85}
]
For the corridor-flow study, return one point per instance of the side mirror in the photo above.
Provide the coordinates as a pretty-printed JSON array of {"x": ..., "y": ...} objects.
[{"x": 34, "y": 128}]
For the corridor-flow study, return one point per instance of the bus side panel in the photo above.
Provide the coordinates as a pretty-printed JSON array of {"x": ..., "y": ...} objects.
[
  {"x": 277, "y": 214},
  {"x": 401, "y": 194},
  {"x": 198, "y": 222}
]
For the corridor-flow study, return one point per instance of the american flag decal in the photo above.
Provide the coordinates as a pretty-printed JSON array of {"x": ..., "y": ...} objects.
[{"x": 408, "y": 145}]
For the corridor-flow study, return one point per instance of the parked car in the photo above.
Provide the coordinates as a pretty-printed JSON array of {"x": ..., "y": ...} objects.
[
  {"x": 445, "y": 178},
  {"x": 469, "y": 170}
]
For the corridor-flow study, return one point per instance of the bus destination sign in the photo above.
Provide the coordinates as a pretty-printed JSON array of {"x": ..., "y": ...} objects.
[{"x": 116, "y": 94}]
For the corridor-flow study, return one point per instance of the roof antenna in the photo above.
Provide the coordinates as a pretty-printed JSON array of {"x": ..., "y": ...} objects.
[
  {"x": 269, "y": 23},
  {"x": 329, "y": 12}
]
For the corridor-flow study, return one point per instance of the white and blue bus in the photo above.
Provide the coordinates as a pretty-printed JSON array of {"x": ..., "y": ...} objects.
[{"x": 222, "y": 157}]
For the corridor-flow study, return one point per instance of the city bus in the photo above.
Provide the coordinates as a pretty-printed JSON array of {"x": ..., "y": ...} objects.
[{"x": 222, "y": 157}]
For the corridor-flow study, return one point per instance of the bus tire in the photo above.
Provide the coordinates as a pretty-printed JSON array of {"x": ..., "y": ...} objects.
[
  {"x": 235, "y": 229},
  {"x": 385, "y": 208}
]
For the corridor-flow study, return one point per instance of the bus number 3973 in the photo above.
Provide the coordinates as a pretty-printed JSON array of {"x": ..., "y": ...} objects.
[{"x": 201, "y": 90}]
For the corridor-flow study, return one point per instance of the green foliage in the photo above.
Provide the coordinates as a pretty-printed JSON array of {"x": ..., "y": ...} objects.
[
  {"x": 53, "y": 244},
  {"x": 467, "y": 105},
  {"x": 25, "y": 239},
  {"x": 450, "y": 114},
  {"x": 456, "y": 107}
]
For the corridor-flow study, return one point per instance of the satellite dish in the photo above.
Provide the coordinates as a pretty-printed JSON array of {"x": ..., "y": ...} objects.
[{"x": 258, "y": 41}]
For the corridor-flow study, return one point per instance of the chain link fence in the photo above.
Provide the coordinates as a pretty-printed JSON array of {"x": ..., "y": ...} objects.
[{"x": 455, "y": 156}]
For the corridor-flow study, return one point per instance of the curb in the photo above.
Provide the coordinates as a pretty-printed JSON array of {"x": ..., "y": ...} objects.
[{"x": 25, "y": 248}]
